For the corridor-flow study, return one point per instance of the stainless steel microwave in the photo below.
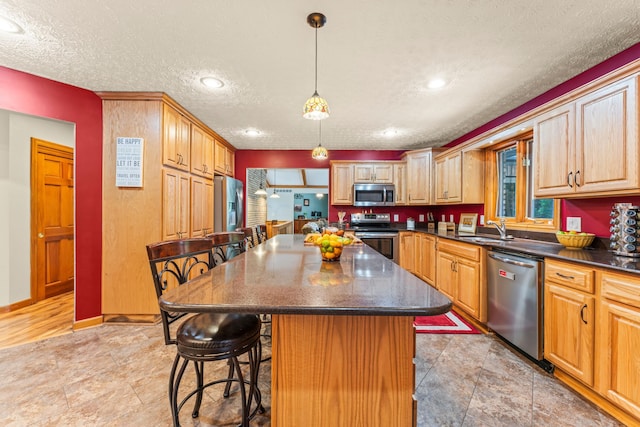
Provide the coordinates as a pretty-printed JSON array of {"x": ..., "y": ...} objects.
[{"x": 374, "y": 195}]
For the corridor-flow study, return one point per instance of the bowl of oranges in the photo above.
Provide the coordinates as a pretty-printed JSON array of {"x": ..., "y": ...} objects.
[{"x": 330, "y": 242}]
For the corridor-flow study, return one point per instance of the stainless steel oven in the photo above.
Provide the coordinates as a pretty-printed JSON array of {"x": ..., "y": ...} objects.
[{"x": 375, "y": 230}]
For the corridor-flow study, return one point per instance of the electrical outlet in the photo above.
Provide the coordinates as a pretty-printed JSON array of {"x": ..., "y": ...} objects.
[
  {"x": 481, "y": 219},
  {"x": 451, "y": 218},
  {"x": 574, "y": 223},
  {"x": 396, "y": 218},
  {"x": 421, "y": 218}
]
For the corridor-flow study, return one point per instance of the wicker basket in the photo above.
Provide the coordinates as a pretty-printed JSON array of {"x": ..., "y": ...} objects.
[{"x": 575, "y": 241}]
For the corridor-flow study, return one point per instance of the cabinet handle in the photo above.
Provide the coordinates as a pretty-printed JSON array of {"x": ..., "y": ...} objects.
[
  {"x": 576, "y": 179},
  {"x": 569, "y": 179},
  {"x": 582, "y": 314},
  {"x": 451, "y": 266},
  {"x": 565, "y": 277}
]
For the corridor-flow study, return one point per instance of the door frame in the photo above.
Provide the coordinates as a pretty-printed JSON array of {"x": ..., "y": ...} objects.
[{"x": 51, "y": 148}]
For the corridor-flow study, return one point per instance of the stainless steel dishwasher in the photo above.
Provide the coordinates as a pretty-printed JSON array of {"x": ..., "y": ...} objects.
[{"x": 514, "y": 287}]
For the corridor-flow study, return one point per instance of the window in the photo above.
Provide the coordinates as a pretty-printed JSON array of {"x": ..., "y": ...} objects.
[{"x": 510, "y": 193}]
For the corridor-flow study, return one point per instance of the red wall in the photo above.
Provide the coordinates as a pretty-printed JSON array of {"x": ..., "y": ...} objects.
[{"x": 28, "y": 94}]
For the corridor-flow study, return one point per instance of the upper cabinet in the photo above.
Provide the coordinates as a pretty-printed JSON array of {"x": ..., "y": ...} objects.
[
  {"x": 224, "y": 161},
  {"x": 176, "y": 149},
  {"x": 341, "y": 183},
  {"x": 201, "y": 152},
  {"x": 400, "y": 181},
  {"x": 420, "y": 176},
  {"x": 381, "y": 173},
  {"x": 459, "y": 177},
  {"x": 589, "y": 147}
]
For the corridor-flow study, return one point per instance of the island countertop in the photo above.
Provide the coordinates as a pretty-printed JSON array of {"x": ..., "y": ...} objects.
[{"x": 284, "y": 276}]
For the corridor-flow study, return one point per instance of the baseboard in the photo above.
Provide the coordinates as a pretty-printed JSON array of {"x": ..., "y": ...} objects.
[
  {"x": 87, "y": 323},
  {"x": 131, "y": 318},
  {"x": 593, "y": 397},
  {"x": 16, "y": 306}
]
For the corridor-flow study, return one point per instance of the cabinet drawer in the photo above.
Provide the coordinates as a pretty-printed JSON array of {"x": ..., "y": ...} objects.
[
  {"x": 623, "y": 288},
  {"x": 464, "y": 250},
  {"x": 572, "y": 275}
]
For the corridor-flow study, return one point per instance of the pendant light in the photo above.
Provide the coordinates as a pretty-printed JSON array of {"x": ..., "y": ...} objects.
[
  {"x": 319, "y": 153},
  {"x": 274, "y": 195},
  {"x": 316, "y": 107},
  {"x": 261, "y": 191}
]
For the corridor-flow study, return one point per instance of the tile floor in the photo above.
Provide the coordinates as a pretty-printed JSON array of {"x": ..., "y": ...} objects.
[{"x": 115, "y": 375}]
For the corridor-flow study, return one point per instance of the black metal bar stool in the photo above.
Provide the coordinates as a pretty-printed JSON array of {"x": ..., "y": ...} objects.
[
  {"x": 261, "y": 232},
  {"x": 205, "y": 337}
]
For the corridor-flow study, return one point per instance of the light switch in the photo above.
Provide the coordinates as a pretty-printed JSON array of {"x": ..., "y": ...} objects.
[{"x": 396, "y": 218}]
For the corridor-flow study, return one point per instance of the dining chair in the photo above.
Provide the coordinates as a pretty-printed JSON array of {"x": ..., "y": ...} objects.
[
  {"x": 261, "y": 232},
  {"x": 205, "y": 337}
]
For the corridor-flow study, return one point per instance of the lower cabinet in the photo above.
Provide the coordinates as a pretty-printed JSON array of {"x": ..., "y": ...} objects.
[
  {"x": 618, "y": 338},
  {"x": 460, "y": 272},
  {"x": 407, "y": 250},
  {"x": 425, "y": 257}
]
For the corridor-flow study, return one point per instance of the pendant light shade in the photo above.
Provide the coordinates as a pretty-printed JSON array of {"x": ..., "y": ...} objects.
[
  {"x": 261, "y": 191},
  {"x": 316, "y": 107},
  {"x": 319, "y": 153}
]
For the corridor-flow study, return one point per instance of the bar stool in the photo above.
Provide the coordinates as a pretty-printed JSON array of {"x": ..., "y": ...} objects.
[
  {"x": 248, "y": 237},
  {"x": 205, "y": 337},
  {"x": 261, "y": 232},
  {"x": 226, "y": 245}
]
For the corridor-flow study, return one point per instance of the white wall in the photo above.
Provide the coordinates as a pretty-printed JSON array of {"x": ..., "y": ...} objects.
[
  {"x": 282, "y": 208},
  {"x": 16, "y": 131}
]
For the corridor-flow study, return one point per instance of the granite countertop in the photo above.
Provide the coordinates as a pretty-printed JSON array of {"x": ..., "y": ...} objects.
[
  {"x": 594, "y": 256},
  {"x": 283, "y": 276}
]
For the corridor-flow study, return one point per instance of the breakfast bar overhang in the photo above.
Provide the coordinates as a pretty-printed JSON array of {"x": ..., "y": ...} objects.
[{"x": 342, "y": 333}]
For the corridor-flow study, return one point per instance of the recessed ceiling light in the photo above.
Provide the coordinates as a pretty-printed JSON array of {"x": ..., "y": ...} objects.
[
  {"x": 211, "y": 82},
  {"x": 252, "y": 132},
  {"x": 9, "y": 26},
  {"x": 436, "y": 83},
  {"x": 390, "y": 133}
]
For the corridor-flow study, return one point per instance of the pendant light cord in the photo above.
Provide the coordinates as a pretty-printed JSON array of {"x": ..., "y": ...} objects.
[{"x": 316, "y": 83}]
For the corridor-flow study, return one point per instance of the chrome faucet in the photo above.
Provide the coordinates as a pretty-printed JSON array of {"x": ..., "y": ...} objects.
[{"x": 502, "y": 229}]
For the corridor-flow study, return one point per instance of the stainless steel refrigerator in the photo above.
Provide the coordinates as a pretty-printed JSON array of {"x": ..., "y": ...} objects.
[{"x": 228, "y": 204}]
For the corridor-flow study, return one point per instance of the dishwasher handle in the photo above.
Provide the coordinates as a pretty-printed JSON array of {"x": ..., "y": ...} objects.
[{"x": 512, "y": 261}]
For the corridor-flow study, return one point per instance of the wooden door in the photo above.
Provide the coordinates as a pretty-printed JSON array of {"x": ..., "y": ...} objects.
[
  {"x": 445, "y": 271},
  {"x": 440, "y": 175},
  {"x": 201, "y": 207},
  {"x": 454, "y": 177},
  {"x": 176, "y": 139},
  {"x": 175, "y": 204},
  {"x": 569, "y": 331},
  {"x": 468, "y": 286},
  {"x": 363, "y": 173},
  {"x": 383, "y": 173},
  {"x": 428, "y": 259},
  {"x": 400, "y": 181},
  {"x": 341, "y": 184},
  {"x": 52, "y": 219},
  {"x": 407, "y": 251}
]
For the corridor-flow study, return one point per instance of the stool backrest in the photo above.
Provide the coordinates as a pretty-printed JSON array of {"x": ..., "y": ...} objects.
[
  {"x": 172, "y": 263},
  {"x": 248, "y": 237},
  {"x": 226, "y": 245},
  {"x": 261, "y": 231}
]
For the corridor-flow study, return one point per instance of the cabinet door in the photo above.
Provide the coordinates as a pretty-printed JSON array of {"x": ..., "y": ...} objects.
[
  {"x": 383, "y": 173},
  {"x": 341, "y": 184},
  {"x": 607, "y": 139},
  {"x": 454, "y": 178},
  {"x": 230, "y": 162},
  {"x": 400, "y": 181},
  {"x": 440, "y": 174},
  {"x": 201, "y": 152},
  {"x": 201, "y": 207},
  {"x": 468, "y": 286},
  {"x": 569, "y": 330},
  {"x": 619, "y": 355},
  {"x": 554, "y": 152},
  {"x": 175, "y": 204},
  {"x": 446, "y": 275},
  {"x": 220, "y": 158},
  {"x": 176, "y": 148},
  {"x": 419, "y": 178},
  {"x": 407, "y": 250},
  {"x": 363, "y": 173},
  {"x": 428, "y": 258}
]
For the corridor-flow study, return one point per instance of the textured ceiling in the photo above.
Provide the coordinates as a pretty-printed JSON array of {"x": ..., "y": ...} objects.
[{"x": 374, "y": 60}]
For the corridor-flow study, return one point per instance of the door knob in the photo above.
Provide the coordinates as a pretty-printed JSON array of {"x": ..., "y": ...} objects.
[{"x": 40, "y": 235}]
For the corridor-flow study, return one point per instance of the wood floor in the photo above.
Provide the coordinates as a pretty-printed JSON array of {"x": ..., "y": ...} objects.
[{"x": 45, "y": 319}]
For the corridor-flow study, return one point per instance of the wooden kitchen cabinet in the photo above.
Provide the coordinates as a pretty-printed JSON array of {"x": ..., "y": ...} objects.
[
  {"x": 202, "y": 148},
  {"x": 425, "y": 257},
  {"x": 459, "y": 177},
  {"x": 420, "y": 176},
  {"x": 176, "y": 143},
  {"x": 379, "y": 173},
  {"x": 569, "y": 318},
  {"x": 618, "y": 341},
  {"x": 407, "y": 250},
  {"x": 400, "y": 181},
  {"x": 176, "y": 207},
  {"x": 589, "y": 146},
  {"x": 224, "y": 159},
  {"x": 460, "y": 272},
  {"x": 201, "y": 206},
  {"x": 341, "y": 183}
]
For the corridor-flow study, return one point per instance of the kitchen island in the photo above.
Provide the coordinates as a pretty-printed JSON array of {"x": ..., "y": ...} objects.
[{"x": 342, "y": 333}]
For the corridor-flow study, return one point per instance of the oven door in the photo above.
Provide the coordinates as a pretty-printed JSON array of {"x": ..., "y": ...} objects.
[{"x": 386, "y": 243}]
